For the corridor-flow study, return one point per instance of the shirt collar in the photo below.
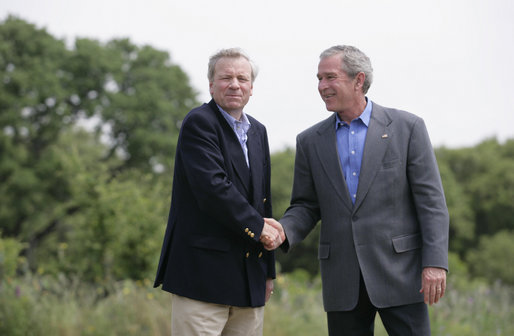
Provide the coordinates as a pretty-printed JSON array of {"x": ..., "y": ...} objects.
[
  {"x": 232, "y": 121},
  {"x": 364, "y": 117}
]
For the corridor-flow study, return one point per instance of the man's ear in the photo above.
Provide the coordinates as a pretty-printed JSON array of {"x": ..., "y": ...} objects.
[{"x": 360, "y": 80}]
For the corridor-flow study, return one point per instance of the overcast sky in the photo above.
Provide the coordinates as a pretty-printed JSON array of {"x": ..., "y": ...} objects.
[{"x": 449, "y": 61}]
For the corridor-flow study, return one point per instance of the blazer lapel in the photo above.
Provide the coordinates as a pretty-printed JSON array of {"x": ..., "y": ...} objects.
[
  {"x": 237, "y": 158},
  {"x": 326, "y": 148},
  {"x": 239, "y": 164},
  {"x": 377, "y": 141},
  {"x": 255, "y": 156}
]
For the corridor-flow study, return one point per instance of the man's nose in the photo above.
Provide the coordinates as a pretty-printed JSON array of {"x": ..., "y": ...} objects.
[
  {"x": 322, "y": 84},
  {"x": 234, "y": 83}
]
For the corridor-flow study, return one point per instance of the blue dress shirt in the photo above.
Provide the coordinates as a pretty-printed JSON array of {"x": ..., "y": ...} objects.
[
  {"x": 350, "y": 147},
  {"x": 241, "y": 128}
]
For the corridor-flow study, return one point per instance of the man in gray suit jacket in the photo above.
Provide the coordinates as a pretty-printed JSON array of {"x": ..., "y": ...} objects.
[{"x": 370, "y": 174}]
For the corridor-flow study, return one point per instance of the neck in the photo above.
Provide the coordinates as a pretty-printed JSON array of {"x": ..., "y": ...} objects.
[
  {"x": 353, "y": 112},
  {"x": 236, "y": 114}
]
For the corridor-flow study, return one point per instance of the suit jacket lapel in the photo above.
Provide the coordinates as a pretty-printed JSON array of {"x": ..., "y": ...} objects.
[
  {"x": 326, "y": 148},
  {"x": 255, "y": 156},
  {"x": 377, "y": 141},
  {"x": 234, "y": 149},
  {"x": 239, "y": 163}
]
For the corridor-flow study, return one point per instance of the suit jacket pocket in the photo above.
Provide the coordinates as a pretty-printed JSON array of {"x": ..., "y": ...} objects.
[
  {"x": 323, "y": 251},
  {"x": 211, "y": 243},
  {"x": 391, "y": 163},
  {"x": 406, "y": 243}
]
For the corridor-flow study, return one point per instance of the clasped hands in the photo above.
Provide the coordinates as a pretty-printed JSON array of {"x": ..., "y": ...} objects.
[{"x": 272, "y": 235}]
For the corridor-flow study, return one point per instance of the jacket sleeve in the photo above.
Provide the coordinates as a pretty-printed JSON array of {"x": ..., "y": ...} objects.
[
  {"x": 303, "y": 212},
  {"x": 428, "y": 196}
]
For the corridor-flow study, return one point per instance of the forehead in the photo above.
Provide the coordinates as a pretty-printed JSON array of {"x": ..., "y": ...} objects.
[
  {"x": 331, "y": 64},
  {"x": 233, "y": 64}
]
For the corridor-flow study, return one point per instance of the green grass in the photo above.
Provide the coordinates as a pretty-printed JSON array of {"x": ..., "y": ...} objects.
[{"x": 40, "y": 305}]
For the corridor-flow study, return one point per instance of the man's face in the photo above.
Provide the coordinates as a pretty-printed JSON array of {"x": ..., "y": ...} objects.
[
  {"x": 232, "y": 85},
  {"x": 338, "y": 91}
]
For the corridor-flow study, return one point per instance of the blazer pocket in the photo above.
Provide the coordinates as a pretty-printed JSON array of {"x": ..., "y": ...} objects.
[
  {"x": 324, "y": 251},
  {"x": 391, "y": 163},
  {"x": 407, "y": 242},
  {"x": 211, "y": 243}
]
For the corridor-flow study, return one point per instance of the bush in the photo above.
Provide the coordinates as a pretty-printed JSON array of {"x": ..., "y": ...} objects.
[
  {"x": 492, "y": 259},
  {"x": 10, "y": 249}
]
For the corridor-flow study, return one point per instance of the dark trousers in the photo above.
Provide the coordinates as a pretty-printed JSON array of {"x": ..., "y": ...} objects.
[{"x": 407, "y": 320}]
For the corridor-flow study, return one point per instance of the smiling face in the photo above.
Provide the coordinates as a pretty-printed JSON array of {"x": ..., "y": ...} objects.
[
  {"x": 340, "y": 93},
  {"x": 232, "y": 86}
]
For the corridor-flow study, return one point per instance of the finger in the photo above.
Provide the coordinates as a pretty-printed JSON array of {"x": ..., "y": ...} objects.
[
  {"x": 427, "y": 294},
  {"x": 268, "y": 247},
  {"x": 270, "y": 232},
  {"x": 282, "y": 236},
  {"x": 438, "y": 292},
  {"x": 443, "y": 291},
  {"x": 435, "y": 294}
]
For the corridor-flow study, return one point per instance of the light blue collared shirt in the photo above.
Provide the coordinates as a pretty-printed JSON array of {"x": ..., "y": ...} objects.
[
  {"x": 350, "y": 147},
  {"x": 241, "y": 128}
]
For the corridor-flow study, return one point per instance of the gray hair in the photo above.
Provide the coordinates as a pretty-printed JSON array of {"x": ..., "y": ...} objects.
[
  {"x": 353, "y": 61},
  {"x": 233, "y": 53}
]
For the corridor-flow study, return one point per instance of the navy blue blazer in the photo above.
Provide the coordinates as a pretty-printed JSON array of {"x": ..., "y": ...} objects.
[{"x": 211, "y": 250}]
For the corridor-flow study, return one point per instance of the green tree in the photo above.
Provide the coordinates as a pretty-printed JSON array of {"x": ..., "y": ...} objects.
[
  {"x": 492, "y": 260},
  {"x": 493, "y": 188},
  {"x": 137, "y": 94},
  {"x": 60, "y": 188},
  {"x": 485, "y": 174},
  {"x": 462, "y": 224},
  {"x": 282, "y": 166},
  {"x": 479, "y": 184}
]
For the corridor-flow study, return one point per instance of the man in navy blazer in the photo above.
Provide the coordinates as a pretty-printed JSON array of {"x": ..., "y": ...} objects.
[
  {"x": 370, "y": 174},
  {"x": 212, "y": 261}
]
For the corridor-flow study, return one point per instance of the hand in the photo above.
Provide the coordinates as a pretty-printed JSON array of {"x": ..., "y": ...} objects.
[
  {"x": 269, "y": 288},
  {"x": 272, "y": 242},
  {"x": 269, "y": 235},
  {"x": 433, "y": 284}
]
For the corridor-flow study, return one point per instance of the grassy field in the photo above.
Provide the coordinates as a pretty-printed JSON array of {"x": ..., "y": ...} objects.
[{"x": 39, "y": 305}]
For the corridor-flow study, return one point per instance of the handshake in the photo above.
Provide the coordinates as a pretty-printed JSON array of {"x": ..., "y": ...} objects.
[{"x": 272, "y": 235}]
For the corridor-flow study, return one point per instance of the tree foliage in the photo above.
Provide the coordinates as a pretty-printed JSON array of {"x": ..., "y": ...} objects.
[
  {"x": 492, "y": 260},
  {"x": 481, "y": 189},
  {"x": 91, "y": 202}
]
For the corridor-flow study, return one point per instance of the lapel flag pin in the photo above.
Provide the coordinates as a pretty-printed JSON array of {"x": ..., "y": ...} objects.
[{"x": 385, "y": 136}]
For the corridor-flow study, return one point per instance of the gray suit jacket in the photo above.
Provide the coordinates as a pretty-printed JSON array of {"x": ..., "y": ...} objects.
[{"x": 398, "y": 224}]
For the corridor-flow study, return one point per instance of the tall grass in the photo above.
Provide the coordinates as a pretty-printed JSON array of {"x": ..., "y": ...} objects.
[
  {"x": 45, "y": 306},
  {"x": 40, "y": 305}
]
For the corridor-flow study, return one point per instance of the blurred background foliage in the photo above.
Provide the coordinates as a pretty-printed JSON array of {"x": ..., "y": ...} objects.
[{"x": 87, "y": 140}]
